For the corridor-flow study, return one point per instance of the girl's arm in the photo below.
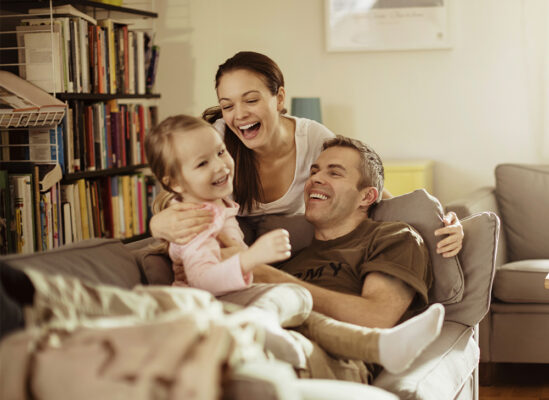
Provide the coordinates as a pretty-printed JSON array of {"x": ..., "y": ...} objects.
[{"x": 180, "y": 222}]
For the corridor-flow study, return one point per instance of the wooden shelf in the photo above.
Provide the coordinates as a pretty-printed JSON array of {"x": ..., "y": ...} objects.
[
  {"x": 124, "y": 12},
  {"x": 102, "y": 172},
  {"x": 104, "y": 96}
]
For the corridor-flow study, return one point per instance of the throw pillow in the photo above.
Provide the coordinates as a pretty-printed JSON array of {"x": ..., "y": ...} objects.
[
  {"x": 424, "y": 213},
  {"x": 522, "y": 192}
]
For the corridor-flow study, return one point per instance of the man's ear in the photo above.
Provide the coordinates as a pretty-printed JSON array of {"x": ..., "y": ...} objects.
[
  {"x": 368, "y": 196},
  {"x": 280, "y": 97}
]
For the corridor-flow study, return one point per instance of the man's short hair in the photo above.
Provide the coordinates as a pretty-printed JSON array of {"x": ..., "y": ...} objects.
[{"x": 371, "y": 166}]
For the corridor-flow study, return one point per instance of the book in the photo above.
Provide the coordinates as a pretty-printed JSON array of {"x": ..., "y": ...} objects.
[
  {"x": 140, "y": 62},
  {"x": 5, "y": 214},
  {"x": 151, "y": 72},
  {"x": 40, "y": 55},
  {"x": 67, "y": 223},
  {"x": 83, "y": 199},
  {"x": 17, "y": 94},
  {"x": 63, "y": 10},
  {"x": 23, "y": 211}
]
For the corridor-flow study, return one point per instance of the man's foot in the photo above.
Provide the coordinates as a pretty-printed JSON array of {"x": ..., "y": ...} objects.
[{"x": 400, "y": 346}]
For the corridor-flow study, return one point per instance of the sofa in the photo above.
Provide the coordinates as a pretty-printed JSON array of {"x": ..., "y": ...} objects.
[
  {"x": 447, "y": 369},
  {"x": 517, "y": 326}
]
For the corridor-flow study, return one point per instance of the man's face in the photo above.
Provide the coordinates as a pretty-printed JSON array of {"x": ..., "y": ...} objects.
[{"x": 331, "y": 194}]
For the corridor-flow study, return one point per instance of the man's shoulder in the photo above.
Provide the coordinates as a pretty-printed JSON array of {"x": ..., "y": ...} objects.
[{"x": 394, "y": 230}]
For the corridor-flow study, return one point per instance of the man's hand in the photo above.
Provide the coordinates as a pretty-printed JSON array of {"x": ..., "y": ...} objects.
[
  {"x": 180, "y": 222},
  {"x": 451, "y": 245},
  {"x": 271, "y": 247}
]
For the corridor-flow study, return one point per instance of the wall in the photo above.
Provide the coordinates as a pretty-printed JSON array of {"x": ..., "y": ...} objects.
[{"x": 467, "y": 108}]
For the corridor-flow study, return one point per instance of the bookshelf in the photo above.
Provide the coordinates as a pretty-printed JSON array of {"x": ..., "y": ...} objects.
[{"x": 101, "y": 65}]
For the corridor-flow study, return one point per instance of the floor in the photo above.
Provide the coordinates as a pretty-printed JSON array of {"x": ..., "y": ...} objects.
[{"x": 514, "y": 381}]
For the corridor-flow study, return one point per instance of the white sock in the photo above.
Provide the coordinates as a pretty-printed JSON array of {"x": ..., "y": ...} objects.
[{"x": 399, "y": 346}]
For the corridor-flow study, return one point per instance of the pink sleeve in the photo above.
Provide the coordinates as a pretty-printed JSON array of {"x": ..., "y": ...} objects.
[{"x": 205, "y": 270}]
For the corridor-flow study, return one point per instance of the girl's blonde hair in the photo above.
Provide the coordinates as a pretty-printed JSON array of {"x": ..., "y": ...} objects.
[{"x": 161, "y": 155}]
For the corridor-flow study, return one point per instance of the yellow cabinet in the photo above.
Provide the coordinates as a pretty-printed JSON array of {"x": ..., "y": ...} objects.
[{"x": 406, "y": 176}]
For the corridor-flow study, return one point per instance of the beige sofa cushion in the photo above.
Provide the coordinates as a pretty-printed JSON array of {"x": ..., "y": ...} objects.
[
  {"x": 424, "y": 213},
  {"x": 522, "y": 282},
  {"x": 441, "y": 371},
  {"x": 522, "y": 192},
  {"x": 478, "y": 262}
]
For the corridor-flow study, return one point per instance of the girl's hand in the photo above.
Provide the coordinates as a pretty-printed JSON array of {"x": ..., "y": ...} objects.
[
  {"x": 451, "y": 245},
  {"x": 180, "y": 222},
  {"x": 270, "y": 247}
]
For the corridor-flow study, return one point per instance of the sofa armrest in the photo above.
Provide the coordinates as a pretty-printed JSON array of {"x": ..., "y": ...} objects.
[{"x": 441, "y": 371}]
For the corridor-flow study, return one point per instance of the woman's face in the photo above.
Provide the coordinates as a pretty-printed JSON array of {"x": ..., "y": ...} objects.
[{"x": 249, "y": 108}]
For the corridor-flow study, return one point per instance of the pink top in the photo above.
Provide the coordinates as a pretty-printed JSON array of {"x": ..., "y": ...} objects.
[{"x": 201, "y": 257}]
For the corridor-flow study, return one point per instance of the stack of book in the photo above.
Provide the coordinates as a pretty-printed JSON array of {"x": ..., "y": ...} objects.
[
  {"x": 38, "y": 215},
  {"x": 84, "y": 55}
]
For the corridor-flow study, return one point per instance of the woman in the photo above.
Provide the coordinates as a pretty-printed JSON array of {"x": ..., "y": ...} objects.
[{"x": 272, "y": 151}]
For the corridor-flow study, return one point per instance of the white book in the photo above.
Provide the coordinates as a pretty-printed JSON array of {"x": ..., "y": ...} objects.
[
  {"x": 40, "y": 56},
  {"x": 67, "y": 223},
  {"x": 140, "y": 46},
  {"x": 66, "y": 37},
  {"x": 90, "y": 213},
  {"x": 49, "y": 217},
  {"x": 131, "y": 62},
  {"x": 75, "y": 45},
  {"x": 84, "y": 59}
]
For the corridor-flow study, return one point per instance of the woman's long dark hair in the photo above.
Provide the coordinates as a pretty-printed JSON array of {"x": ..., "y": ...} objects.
[{"x": 248, "y": 190}]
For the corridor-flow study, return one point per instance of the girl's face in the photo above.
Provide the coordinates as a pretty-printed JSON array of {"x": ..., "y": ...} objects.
[
  {"x": 206, "y": 166},
  {"x": 249, "y": 108}
]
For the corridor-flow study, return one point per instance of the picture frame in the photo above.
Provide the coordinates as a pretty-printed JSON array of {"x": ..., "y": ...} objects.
[{"x": 386, "y": 25}]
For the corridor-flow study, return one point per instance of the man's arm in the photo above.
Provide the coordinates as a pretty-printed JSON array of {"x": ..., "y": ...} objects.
[{"x": 383, "y": 301}]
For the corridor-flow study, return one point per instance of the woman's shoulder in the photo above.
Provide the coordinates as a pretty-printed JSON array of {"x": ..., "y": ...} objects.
[{"x": 311, "y": 132}]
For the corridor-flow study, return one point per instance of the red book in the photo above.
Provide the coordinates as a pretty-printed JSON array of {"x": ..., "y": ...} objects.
[
  {"x": 108, "y": 138},
  {"x": 122, "y": 135},
  {"x": 90, "y": 142},
  {"x": 100, "y": 61},
  {"x": 141, "y": 139},
  {"x": 126, "y": 61}
]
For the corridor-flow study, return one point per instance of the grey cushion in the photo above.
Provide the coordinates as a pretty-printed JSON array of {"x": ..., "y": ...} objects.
[
  {"x": 156, "y": 267},
  {"x": 478, "y": 262},
  {"x": 522, "y": 193},
  {"x": 419, "y": 209},
  {"x": 424, "y": 213},
  {"x": 522, "y": 282},
  {"x": 441, "y": 371},
  {"x": 105, "y": 261}
]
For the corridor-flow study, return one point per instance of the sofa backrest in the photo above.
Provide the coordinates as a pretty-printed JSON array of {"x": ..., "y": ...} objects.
[
  {"x": 105, "y": 261},
  {"x": 522, "y": 193}
]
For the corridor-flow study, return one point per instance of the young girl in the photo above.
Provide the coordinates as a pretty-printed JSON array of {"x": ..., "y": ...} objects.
[{"x": 189, "y": 158}]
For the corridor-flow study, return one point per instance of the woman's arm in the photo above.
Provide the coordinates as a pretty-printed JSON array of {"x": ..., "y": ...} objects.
[
  {"x": 451, "y": 245},
  {"x": 180, "y": 222}
]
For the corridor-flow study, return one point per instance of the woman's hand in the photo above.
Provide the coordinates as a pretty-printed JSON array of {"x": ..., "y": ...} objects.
[
  {"x": 451, "y": 245},
  {"x": 180, "y": 222}
]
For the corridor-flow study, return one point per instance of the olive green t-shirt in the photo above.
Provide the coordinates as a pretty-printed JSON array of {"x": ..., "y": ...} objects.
[{"x": 341, "y": 264}]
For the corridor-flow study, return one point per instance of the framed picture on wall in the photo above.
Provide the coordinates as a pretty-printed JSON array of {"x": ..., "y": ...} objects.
[{"x": 385, "y": 25}]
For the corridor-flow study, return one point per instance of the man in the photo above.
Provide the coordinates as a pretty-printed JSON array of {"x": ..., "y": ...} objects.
[{"x": 361, "y": 271}]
